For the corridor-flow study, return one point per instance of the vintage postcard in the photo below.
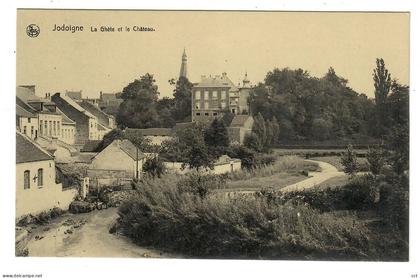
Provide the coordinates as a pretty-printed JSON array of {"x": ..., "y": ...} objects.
[{"x": 212, "y": 135}]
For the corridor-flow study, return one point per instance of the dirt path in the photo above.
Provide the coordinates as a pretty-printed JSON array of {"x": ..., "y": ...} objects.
[
  {"x": 327, "y": 172},
  {"x": 84, "y": 235}
]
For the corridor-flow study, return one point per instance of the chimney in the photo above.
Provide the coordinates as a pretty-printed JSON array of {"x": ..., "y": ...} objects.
[{"x": 224, "y": 74}]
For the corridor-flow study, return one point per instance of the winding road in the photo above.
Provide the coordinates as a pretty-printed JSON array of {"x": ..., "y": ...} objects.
[{"x": 327, "y": 172}]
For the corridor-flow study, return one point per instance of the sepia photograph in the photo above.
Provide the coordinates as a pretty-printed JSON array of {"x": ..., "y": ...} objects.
[{"x": 229, "y": 135}]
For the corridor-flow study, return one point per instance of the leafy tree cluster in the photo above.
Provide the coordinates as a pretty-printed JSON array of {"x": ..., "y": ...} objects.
[
  {"x": 310, "y": 108},
  {"x": 264, "y": 135},
  {"x": 134, "y": 136},
  {"x": 141, "y": 107},
  {"x": 197, "y": 145}
]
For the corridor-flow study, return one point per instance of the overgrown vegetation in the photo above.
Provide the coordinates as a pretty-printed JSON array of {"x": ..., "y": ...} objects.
[
  {"x": 164, "y": 215},
  {"x": 41, "y": 218}
]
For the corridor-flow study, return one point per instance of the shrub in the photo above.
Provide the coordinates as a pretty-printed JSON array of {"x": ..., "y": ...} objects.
[
  {"x": 154, "y": 167},
  {"x": 162, "y": 216},
  {"x": 81, "y": 207},
  {"x": 41, "y": 218},
  {"x": 349, "y": 161},
  {"x": 361, "y": 193},
  {"x": 247, "y": 156},
  {"x": 394, "y": 204},
  {"x": 201, "y": 185}
]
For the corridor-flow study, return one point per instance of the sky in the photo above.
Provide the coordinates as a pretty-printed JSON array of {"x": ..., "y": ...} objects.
[{"x": 215, "y": 42}]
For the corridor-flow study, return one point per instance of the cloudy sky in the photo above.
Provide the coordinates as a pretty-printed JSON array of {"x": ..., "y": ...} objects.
[{"x": 216, "y": 42}]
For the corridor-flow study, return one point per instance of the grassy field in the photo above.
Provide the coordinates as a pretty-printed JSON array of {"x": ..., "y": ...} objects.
[
  {"x": 333, "y": 182},
  {"x": 276, "y": 181},
  {"x": 315, "y": 152},
  {"x": 285, "y": 171},
  {"x": 336, "y": 161}
]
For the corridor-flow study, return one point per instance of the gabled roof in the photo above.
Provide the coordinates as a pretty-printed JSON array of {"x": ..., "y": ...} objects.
[
  {"x": 239, "y": 120},
  {"x": 91, "y": 146},
  {"x": 74, "y": 104},
  {"x": 25, "y": 94},
  {"x": 28, "y": 151},
  {"x": 65, "y": 119},
  {"x": 108, "y": 96},
  {"x": 22, "y": 112},
  {"x": 127, "y": 147},
  {"x": 153, "y": 131},
  {"x": 74, "y": 94},
  {"x": 103, "y": 118},
  {"x": 217, "y": 82}
]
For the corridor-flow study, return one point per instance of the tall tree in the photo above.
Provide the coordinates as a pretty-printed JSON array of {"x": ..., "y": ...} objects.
[
  {"x": 382, "y": 83},
  {"x": 259, "y": 128},
  {"x": 138, "y": 109},
  {"x": 182, "y": 98},
  {"x": 217, "y": 138}
]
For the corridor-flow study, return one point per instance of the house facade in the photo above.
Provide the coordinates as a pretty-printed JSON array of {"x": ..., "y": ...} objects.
[
  {"x": 214, "y": 96},
  {"x": 105, "y": 122},
  {"x": 240, "y": 126},
  {"x": 86, "y": 123},
  {"x": 36, "y": 187},
  {"x": 26, "y": 122},
  {"x": 119, "y": 160},
  {"x": 49, "y": 119}
]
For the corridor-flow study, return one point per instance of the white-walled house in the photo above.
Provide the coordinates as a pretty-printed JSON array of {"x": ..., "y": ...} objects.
[
  {"x": 36, "y": 189},
  {"x": 119, "y": 160},
  {"x": 26, "y": 122}
]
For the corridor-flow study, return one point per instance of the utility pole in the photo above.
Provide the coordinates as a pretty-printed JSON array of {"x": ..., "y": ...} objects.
[{"x": 137, "y": 163}]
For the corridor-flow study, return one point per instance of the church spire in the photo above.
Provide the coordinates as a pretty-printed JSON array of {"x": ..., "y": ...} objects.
[{"x": 183, "y": 70}]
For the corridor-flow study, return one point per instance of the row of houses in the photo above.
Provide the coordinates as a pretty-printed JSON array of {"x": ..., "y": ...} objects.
[
  {"x": 61, "y": 117},
  {"x": 51, "y": 130}
]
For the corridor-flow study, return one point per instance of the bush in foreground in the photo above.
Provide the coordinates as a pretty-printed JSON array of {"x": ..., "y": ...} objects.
[{"x": 164, "y": 216}]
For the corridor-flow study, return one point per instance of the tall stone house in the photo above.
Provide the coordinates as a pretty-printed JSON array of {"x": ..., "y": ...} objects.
[
  {"x": 49, "y": 119},
  {"x": 86, "y": 122},
  {"x": 215, "y": 96},
  {"x": 105, "y": 122}
]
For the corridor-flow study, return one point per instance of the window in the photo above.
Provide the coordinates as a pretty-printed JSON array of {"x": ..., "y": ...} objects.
[
  {"x": 54, "y": 127},
  {"x": 223, "y": 95},
  {"x": 45, "y": 128},
  {"x": 24, "y": 130},
  {"x": 214, "y": 95},
  {"x": 197, "y": 95},
  {"x": 223, "y": 104},
  {"x": 50, "y": 128},
  {"x": 40, "y": 126},
  {"x": 206, "y": 114},
  {"x": 58, "y": 128},
  {"x": 32, "y": 131},
  {"x": 197, "y": 105},
  {"x": 206, "y": 95},
  {"x": 40, "y": 177},
  {"x": 29, "y": 120},
  {"x": 26, "y": 179},
  {"x": 215, "y": 114},
  {"x": 197, "y": 114},
  {"x": 206, "y": 105}
]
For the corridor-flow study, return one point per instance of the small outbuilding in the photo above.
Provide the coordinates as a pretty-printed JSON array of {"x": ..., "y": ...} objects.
[{"x": 120, "y": 160}]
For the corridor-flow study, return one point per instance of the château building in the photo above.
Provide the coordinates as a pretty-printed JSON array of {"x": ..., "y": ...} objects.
[{"x": 214, "y": 96}]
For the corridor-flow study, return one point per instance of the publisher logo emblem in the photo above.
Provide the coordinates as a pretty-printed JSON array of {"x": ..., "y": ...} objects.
[{"x": 32, "y": 30}]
